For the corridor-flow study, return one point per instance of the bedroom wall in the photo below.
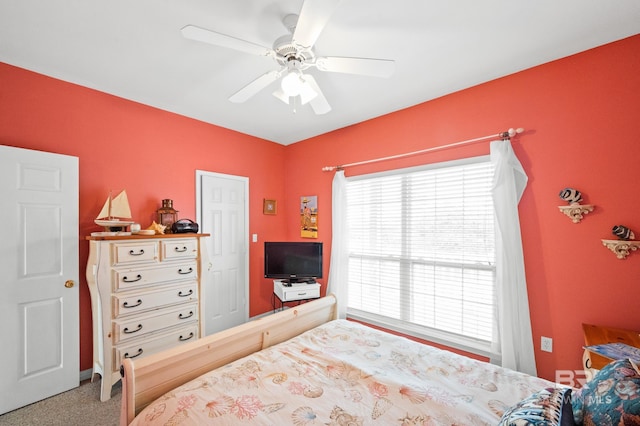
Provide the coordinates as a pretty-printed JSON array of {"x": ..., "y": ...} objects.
[
  {"x": 151, "y": 153},
  {"x": 580, "y": 116}
]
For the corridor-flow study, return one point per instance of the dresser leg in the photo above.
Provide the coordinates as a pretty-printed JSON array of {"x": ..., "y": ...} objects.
[{"x": 105, "y": 390}]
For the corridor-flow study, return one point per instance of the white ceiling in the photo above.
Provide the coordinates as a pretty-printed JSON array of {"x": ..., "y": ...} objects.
[{"x": 134, "y": 49}]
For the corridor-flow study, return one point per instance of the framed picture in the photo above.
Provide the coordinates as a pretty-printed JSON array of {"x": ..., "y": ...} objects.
[
  {"x": 269, "y": 206},
  {"x": 309, "y": 216}
]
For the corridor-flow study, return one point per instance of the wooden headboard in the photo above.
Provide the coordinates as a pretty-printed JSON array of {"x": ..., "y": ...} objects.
[{"x": 146, "y": 379}]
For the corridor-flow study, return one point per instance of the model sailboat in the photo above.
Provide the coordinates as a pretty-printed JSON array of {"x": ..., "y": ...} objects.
[{"x": 116, "y": 212}]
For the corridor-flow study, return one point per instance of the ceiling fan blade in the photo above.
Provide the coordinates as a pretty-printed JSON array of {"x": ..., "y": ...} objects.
[
  {"x": 254, "y": 87},
  {"x": 319, "y": 102},
  {"x": 192, "y": 32},
  {"x": 361, "y": 66},
  {"x": 314, "y": 15}
]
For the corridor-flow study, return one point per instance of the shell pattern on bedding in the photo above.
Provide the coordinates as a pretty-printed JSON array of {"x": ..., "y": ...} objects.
[{"x": 343, "y": 373}]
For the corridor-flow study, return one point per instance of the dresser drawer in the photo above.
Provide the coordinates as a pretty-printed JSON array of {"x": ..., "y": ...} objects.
[
  {"x": 133, "y": 302},
  {"x": 139, "y": 252},
  {"x": 126, "y": 279},
  {"x": 140, "y": 325},
  {"x": 139, "y": 349},
  {"x": 178, "y": 249}
]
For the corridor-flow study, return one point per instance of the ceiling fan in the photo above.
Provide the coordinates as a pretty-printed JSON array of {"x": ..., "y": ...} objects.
[{"x": 295, "y": 54}]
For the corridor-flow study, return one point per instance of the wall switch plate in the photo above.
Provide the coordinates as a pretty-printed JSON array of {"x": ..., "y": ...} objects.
[
  {"x": 546, "y": 344},
  {"x": 254, "y": 238}
]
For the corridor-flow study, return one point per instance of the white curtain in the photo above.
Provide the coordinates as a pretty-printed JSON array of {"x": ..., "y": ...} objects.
[
  {"x": 514, "y": 338},
  {"x": 338, "y": 267}
]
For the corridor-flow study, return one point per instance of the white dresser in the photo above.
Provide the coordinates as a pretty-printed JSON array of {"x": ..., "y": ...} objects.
[{"x": 144, "y": 297}]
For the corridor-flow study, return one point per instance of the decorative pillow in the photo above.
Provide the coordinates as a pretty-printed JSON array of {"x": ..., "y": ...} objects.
[
  {"x": 549, "y": 407},
  {"x": 612, "y": 397}
]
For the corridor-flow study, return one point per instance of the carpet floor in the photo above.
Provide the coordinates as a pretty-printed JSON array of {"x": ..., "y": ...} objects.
[{"x": 79, "y": 406}]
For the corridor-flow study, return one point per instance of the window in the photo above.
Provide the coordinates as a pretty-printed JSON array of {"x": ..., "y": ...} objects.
[{"x": 421, "y": 252}]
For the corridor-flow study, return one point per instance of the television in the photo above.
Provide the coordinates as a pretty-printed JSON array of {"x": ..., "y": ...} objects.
[{"x": 293, "y": 261}]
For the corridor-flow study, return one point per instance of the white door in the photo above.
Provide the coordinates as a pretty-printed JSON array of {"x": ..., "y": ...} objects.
[
  {"x": 222, "y": 209},
  {"x": 39, "y": 280}
]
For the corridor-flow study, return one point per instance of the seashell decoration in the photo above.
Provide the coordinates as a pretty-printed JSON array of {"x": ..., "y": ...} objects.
[
  {"x": 159, "y": 229},
  {"x": 623, "y": 233},
  {"x": 575, "y": 211},
  {"x": 570, "y": 195}
]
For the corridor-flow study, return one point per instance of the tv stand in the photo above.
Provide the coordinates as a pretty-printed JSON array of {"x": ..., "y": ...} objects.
[{"x": 294, "y": 292}]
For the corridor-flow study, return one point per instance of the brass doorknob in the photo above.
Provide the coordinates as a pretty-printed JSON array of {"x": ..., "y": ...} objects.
[{"x": 69, "y": 283}]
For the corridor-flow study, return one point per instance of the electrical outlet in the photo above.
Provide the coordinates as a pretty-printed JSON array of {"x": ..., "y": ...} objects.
[{"x": 546, "y": 344}]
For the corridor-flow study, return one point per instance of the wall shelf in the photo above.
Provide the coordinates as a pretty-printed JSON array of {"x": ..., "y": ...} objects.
[
  {"x": 576, "y": 211},
  {"x": 621, "y": 248}
]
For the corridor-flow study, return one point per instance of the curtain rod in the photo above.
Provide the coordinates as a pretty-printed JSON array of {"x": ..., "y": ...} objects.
[{"x": 504, "y": 135}]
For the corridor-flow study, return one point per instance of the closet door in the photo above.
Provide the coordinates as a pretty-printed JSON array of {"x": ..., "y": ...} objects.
[
  {"x": 39, "y": 279},
  {"x": 222, "y": 211}
]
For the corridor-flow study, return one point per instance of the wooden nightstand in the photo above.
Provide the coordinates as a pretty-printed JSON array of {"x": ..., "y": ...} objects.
[{"x": 597, "y": 335}]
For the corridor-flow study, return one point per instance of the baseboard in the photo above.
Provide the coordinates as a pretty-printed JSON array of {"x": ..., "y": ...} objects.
[
  {"x": 266, "y": 314},
  {"x": 86, "y": 375}
]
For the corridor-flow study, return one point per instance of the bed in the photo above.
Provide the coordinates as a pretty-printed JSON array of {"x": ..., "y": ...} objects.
[{"x": 302, "y": 366}]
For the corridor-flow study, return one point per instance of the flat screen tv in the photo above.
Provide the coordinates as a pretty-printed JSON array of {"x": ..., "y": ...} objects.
[{"x": 293, "y": 261}]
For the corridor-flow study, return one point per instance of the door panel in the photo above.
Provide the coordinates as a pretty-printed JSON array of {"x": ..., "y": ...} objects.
[
  {"x": 40, "y": 240},
  {"x": 223, "y": 213},
  {"x": 38, "y": 255},
  {"x": 41, "y": 334}
]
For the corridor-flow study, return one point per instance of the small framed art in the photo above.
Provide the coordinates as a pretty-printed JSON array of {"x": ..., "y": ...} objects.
[
  {"x": 309, "y": 216},
  {"x": 269, "y": 206}
]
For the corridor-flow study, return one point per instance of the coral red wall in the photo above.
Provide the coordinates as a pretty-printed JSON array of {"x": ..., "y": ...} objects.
[
  {"x": 580, "y": 116},
  {"x": 151, "y": 153},
  {"x": 579, "y": 113}
]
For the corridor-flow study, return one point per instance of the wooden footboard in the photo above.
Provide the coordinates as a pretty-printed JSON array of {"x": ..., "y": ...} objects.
[{"x": 147, "y": 379}]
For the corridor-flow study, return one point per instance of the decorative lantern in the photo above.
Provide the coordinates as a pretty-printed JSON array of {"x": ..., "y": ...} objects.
[{"x": 167, "y": 215}]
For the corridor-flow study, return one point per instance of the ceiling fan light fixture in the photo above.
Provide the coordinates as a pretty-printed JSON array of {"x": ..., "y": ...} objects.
[
  {"x": 307, "y": 94},
  {"x": 292, "y": 84}
]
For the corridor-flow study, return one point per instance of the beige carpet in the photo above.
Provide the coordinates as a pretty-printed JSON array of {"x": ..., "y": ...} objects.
[{"x": 79, "y": 406}]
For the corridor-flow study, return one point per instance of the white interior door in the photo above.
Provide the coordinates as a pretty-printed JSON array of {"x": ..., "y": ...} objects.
[
  {"x": 39, "y": 280},
  {"x": 222, "y": 206}
]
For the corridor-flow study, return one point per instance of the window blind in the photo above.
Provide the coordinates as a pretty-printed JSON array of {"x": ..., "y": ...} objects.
[{"x": 421, "y": 249}]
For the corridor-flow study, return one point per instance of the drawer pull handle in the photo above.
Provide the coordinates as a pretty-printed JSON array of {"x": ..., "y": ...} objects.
[
  {"x": 138, "y": 253},
  {"x": 126, "y": 304},
  {"x": 181, "y": 272},
  {"x": 126, "y": 354},
  {"x": 127, "y": 331},
  {"x": 180, "y": 250},
  {"x": 181, "y": 294},
  {"x": 184, "y": 339},
  {"x": 185, "y": 317},
  {"x": 137, "y": 278}
]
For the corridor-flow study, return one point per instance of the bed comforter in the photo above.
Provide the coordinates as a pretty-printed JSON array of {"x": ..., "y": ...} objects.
[{"x": 344, "y": 373}]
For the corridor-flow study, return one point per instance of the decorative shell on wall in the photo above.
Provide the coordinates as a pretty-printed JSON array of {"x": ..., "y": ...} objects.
[
  {"x": 575, "y": 211},
  {"x": 623, "y": 233},
  {"x": 624, "y": 244},
  {"x": 570, "y": 195}
]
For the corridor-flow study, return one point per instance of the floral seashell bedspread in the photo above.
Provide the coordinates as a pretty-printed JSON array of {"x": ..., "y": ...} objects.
[{"x": 343, "y": 373}]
